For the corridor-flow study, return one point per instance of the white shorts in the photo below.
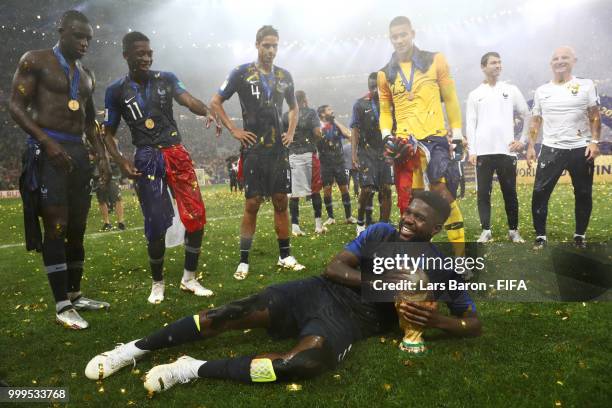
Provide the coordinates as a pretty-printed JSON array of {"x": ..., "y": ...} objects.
[{"x": 301, "y": 174}]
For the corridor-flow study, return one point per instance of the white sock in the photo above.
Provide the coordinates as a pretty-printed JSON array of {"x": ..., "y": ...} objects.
[
  {"x": 318, "y": 222},
  {"x": 195, "y": 367},
  {"x": 188, "y": 275},
  {"x": 542, "y": 236},
  {"x": 131, "y": 346}
]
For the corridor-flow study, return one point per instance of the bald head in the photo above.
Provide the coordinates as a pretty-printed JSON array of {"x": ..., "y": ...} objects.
[
  {"x": 565, "y": 49},
  {"x": 562, "y": 62}
]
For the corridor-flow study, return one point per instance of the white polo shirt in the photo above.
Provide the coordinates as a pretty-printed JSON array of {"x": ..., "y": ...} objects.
[
  {"x": 489, "y": 118},
  {"x": 563, "y": 109}
]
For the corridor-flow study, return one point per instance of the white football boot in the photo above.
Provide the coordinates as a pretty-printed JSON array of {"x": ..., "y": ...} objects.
[
  {"x": 157, "y": 293},
  {"x": 193, "y": 286},
  {"x": 109, "y": 362},
  {"x": 163, "y": 377},
  {"x": 290, "y": 263},
  {"x": 71, "y": 319}
]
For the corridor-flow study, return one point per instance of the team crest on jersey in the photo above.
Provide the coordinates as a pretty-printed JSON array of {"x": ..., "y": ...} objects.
[
  {"x": 505, "y": 95},
  {"x": 574, "y": 88}
]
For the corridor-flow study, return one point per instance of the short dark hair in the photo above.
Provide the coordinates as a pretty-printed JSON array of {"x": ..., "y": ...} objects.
[
  {"x": 130, "y": 38},
  {"x": 265, "y": 31},
  {"x": 484, "y": 60},
  {"x": 300, "y": 96},
  {"x": 400, "y": 20},
  {"x": 373, "y": 75},
  {"x": 436, "y": 202},
  {"x": 321, "y": 109},
  {"x": 70, "y": 16}
]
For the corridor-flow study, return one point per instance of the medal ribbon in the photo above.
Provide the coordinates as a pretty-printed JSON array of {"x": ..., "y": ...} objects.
[
  {"x": 375, "y": 108},
  {"x": 407, "y": 85},
  {"x": 74, "y": 84},
  {"x": 266, "y": 85},
  {"x": 144, "y": 103}
]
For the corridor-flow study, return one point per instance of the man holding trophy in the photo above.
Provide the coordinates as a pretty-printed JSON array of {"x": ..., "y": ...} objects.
[{"x": 326, "y": 314}]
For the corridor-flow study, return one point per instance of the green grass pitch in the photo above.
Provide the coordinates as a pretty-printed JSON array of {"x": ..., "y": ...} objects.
[{"x": 530, "y": 354}]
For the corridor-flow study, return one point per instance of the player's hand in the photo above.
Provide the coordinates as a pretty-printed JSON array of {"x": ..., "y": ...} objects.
[
  {"x": 244, "y": 137},
  {"x": 531, "y": 155},
  {"x": 212, "y": 119},
  {"x": 128, "y": 169},
  {"x": 592, "y": 151},
  {"x": 419, "y": 314},
  {"x": 472, "y": 159},
  {"x": 58, "y": 156},
  {"x": 287, "y": 138},
  {"x": 516, "y": 146}
]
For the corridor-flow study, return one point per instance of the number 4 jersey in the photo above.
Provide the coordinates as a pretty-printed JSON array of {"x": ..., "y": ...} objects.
[
  {"x": 146, "y": 110},
  {"x": 261, "y": 99}
]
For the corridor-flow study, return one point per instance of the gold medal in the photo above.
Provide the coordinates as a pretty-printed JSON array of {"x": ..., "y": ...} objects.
[
  {"x": 73, "y": 105},
  {"x": 410, "y": 95},
  {"x": 149, "y": 124}
]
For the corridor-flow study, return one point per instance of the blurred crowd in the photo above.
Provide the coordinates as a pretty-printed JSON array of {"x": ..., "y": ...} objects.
[{"x": 22, "y": 29}]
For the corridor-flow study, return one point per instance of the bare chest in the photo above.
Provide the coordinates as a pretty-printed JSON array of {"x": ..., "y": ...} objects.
[{"x": 54, "y": 80}]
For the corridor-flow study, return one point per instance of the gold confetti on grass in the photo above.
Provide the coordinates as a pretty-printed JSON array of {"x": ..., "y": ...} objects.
[{"x": 294, "y": 387}]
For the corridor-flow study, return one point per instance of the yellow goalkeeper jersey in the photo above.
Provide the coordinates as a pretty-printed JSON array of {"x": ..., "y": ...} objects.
[{"x": 413, "y": 103}]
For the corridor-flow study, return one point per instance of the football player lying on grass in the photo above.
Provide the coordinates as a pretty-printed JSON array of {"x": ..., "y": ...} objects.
[{"x": 326, "y": 314}]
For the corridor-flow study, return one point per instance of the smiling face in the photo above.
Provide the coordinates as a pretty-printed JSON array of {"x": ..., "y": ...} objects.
[
  {"x": 563, "y": 61},
  {"x": 267, "y": 49},
  {"x": 493, "y": 67},
  {"x": 419, "y": 222},
  {"x": 75, "y": 38},
  {"x": 401, "y": 36},
  {"x": 139, "y": 57}
]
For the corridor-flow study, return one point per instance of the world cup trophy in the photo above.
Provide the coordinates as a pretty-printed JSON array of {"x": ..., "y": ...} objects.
[{"x": 412, "y": 341}]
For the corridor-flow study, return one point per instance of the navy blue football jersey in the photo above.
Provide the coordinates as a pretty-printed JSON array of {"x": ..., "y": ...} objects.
[
  {"x": 365, "y": 118},
  {"x": 142, "y": 107},
  {"x": 261, "y": 99},
  {"x": 330, "y": 145},
  {"x": 304, "y": 139}
]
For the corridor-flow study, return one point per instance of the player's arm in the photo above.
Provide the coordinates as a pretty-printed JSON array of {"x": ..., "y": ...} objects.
[
  {"x": 294, "y": 110},
  {"x": 25, "y": 82},
  {"x": 112, "y": 118},
  {"x": 93, "y": 137},
  {"x": 198, "y": 107},
  {"x": 471, "y": 121},
  {"x": 346, "y": 132},
  {"x": 316, "y": 133},
  {"x": 244, "y": 137},
  {"x": 355, "y": 147},
  {"x": 110, "y": 141},
  {"x": 592, "y": 150},
  {"x": 343, "y": 270},
  {"x": 355, "y": 122},
  {"x": 522, "y": 110},
  {"x": 534, "y": 129},
  {"x": 449, "y": 96},
  {"x": 467, "y": 325},
  {"x": 386, "y": 105}
]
